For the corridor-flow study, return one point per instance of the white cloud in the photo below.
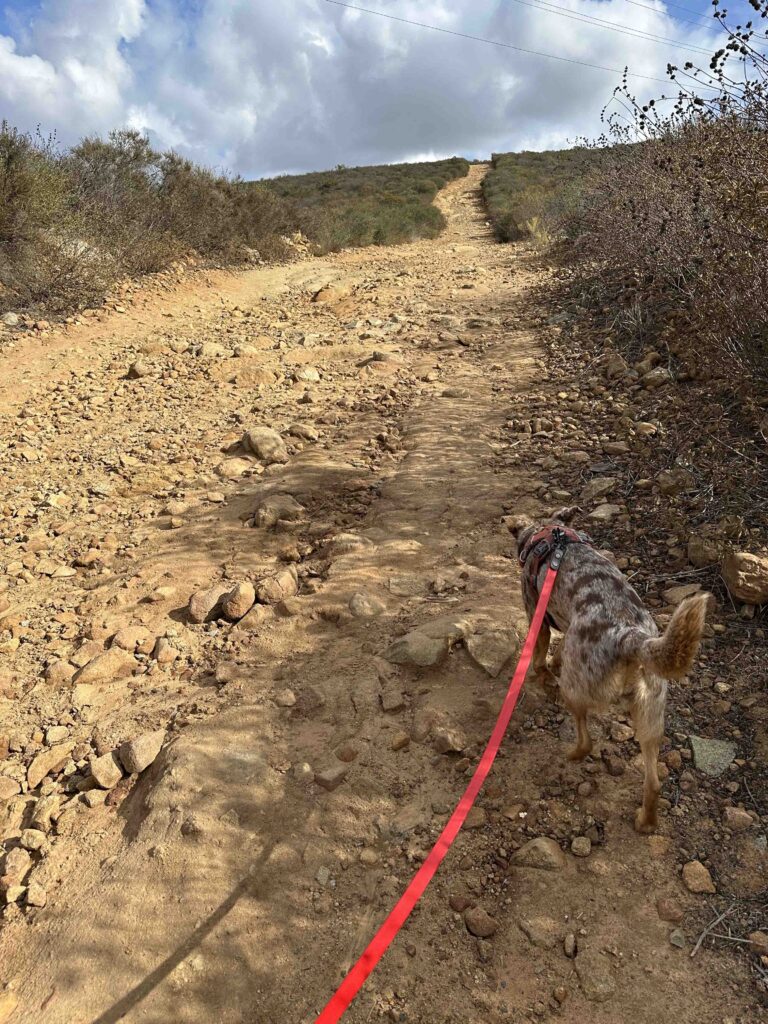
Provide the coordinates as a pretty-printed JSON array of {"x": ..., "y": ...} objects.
[{"x": 262, "y": 88}]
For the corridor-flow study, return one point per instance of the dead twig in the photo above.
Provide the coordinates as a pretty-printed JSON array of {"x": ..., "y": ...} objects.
[{"x": 709, "y": 928}]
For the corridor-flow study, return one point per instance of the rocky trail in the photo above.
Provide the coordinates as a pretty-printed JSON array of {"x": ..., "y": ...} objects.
[{"x": 258, "y": 608}]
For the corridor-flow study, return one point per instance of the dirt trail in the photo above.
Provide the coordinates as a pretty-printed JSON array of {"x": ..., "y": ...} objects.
[{"x": 223, "y": 883}]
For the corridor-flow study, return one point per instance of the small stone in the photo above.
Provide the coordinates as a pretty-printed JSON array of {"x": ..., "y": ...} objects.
[
  {"x": 94, "y": 797},
  {"x": 697, "y": 878},
  {"x": 56, "y": 734},
  {"x": 140, "y": 752},
  {"x": 676, "y": 595},
  {"x": 17, "y": 863},
  {"x": 238, "y": 601},
  {"x": 677, "y": 938},
  {"x": 33, "y": 839},
  {"x": 597, "y": 487},
  {"x": 347, "y": 752},
  {"x": 480, "y": 923},
  {"x": 604, "y": 513},
  {"x": 560, "y": 994},
  {"x": 331, "y": 778},
  {"x": 758, "y": 942},
  {"x": 449, "y": 741},
  {"x": 36, "y": 896},
  {"x": 266, "y": 444},
  {"x": 675, "y": 481},
  {"x": 581, "y": 846},
  {"x": 365, "y": 606},
  {"x": 323, "y": 875},
  {"x": 106, "y": 770},
  {"x": 48, "y": 761},
  {"x": 620, "y": 732},
  {"x": 595, "y": 977},
  {"x": 8, "y": 788},
  {"x": 417, "y": 649},
  {"x": 746, "y": 576},
  {"x": 737, "y": 819},
  {"x": 542, "y": 853},
  {"x": 669, "y": 910},
  {"x": 369, "y": 857},
  {"x": 285, "y": 698},
  {"x": 141, "y": 368},
  {"x": 569, "y": 945},
  {"x": 59, "y": 673},
  {"x": 400, "y": 741},
  {"x": 476, "y": 818},
  {"x": 204, "y": 603}
]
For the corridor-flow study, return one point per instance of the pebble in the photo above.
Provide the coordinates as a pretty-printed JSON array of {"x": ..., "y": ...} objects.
[
  {"x": 400, "y": 741},
  {"x": 266, "y": 444},
  {"x": 543, "y": 853},
  {"x": 581, "y": 846},
  {"x": 737, "y": 819},
  {"x": 669, "y": 910},
  {"x": 697, "y": 878},
  {"x": 106, "y": 770},
  {"x": 449, "y": 740},
  {"x": 331, "y": 778},
  {"x": 36, "y": 896},
  {"x": 480, "y": 923}
]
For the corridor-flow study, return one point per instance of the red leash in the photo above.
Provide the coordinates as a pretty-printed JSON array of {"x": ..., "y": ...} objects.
[{"x": 378, "y": 945}]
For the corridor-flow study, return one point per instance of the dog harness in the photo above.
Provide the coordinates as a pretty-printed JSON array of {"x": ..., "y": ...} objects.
[{"x": 539, "y": 549}]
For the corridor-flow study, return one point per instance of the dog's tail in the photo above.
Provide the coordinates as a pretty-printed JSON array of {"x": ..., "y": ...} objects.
[{"x": 672, "y": 654}]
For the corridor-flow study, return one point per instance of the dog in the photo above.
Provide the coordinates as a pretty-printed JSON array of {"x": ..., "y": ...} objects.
[{"x": 611, "y": 650}]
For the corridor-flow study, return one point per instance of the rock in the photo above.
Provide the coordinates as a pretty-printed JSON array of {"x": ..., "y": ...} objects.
[
  {"x": 112, "y": 664},
  {"x": 597, "y": 487},
  {"x": 238, "y": 601},
  {"x": 615, "y": 366},
  {"x": 331, "y": 778},
  {"x": 304, "y": 431},
  {"x": 277, "y": 588},
  {"x": 542, "y": 932},
  {"x": 493, "y": 650},
  {"x": 713, "y": 757},
  {"x": 479, "y": 922},
  {"x": 446, "y": 627},
  {"x": 449, "y": 740},
  {"x": 141, "y": 368},
  {"x": 234, "y": 468},
  {"x": 569, "y": 945},
  {"x": 13, "y": 893},
  {"x": 10, "y": 319},
  {"x": 746, "y": 576},
  {"x": 48, "y": 761},
  {"x": 286, "y": 699},
  {"x": 543, "y": 853},
  {"x": 604, "y": 513},
  {"x": 254, "y": 619},
  {"x": 266, "y": 444},
  {"x": 581, "y": 846},
  {"x": 674, "y": 481},
  {"x": 134, "y": 638},
  {"x": 703, "y": 551},
  {"x": 59, "y": 673},
  {"x": 697, "y": 879},
  {"x": 417, "y": 649},
  {"x": 365, "y": 606},
  {"x": 56, "y": 734},
  {"x": 656, "y": 378},
  {"x": 33, "y": 839},
  {"x": 139, "y": 753},
  {"x": 476, "y": 818},
  {"x": 213, "y": 350},
  {"x": 106, "y": 770},
  {"x": 17, "y": 863},
  {"x": 8, "y": 788},
  {"x": 94, "y": 797},
  {"x": 669, "y": 910},
  {"x": 36, "y": 897},
  {"x": 164, "y": 652},
  {"x": 736, "y": 819},
  {"x": 8, "y": 1000},
  {"x": 676, "y": 595},
  {"x": 677, "y": 938},
  {"x": 204, "y": 603},
  {"x": 369, "y": 857},
  {"x": 277, "y": 507},
  {"x": 400, "y": 741},
  {"x": 758, "y": 942},
  {"x": 595, "y": 977}
]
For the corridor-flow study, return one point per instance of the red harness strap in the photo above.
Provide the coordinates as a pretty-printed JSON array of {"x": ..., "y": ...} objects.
[{"x": 378, "y": 945}]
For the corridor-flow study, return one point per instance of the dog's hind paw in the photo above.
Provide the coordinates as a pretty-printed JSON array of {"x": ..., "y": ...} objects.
[{"x": 645, "y": 823}]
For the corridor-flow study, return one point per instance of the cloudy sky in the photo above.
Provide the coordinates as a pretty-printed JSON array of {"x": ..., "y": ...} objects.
[{"x": 260, "y": 87}]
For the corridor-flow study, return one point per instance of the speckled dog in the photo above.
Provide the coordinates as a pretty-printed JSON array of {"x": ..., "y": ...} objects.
[{"x": 611, "y": 651}]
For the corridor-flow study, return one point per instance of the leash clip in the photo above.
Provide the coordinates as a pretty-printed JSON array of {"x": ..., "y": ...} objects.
[{"x": 560, "y": 543}]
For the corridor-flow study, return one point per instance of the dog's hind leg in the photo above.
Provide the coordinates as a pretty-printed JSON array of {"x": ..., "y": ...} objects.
[
  {"x": 648, "y": 719},
  {"x": 579, "y": 711}
]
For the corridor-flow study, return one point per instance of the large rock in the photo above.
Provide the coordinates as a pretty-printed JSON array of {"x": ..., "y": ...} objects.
[
  {"x": 112, "y": 664},
  {"x": 712, "y": 757},
  {"x": 48, "y": 761},
  {"x": 276, "y": 507},
  {"x": 746, "y": 576},
  {"x": 416, "y": 648},
  {"x": 238, "y": 601},
  {"x": 493, "y": 650},
  {"x": 277, "y": 588},
  {"x": 543, "y": 853},
  {"x": 266, "y": 444},
  {"x": 204, "y": 603},
  {"x": 139, "y": 753}
]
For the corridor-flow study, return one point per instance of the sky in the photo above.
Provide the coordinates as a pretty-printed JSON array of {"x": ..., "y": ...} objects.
[{"x": 263, "y": 87}]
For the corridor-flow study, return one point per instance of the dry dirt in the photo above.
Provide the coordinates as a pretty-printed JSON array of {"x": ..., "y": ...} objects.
[{"x": 223, "y": 884}]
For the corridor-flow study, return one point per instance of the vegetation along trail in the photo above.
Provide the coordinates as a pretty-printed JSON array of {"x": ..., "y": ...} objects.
[{"x": 294, "y": 575}]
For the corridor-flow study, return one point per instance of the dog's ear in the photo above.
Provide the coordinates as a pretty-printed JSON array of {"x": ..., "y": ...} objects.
[
  {"x": 516, "y": 524},
  {"x": 567, "y": 514}
]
